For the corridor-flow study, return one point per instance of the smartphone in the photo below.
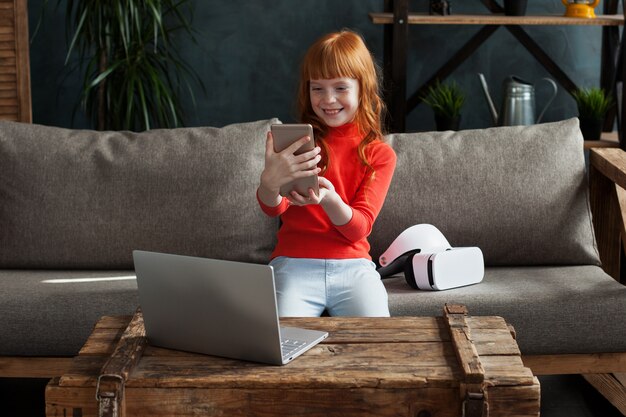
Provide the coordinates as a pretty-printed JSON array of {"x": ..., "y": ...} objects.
[{"x": 286, "y": 134}]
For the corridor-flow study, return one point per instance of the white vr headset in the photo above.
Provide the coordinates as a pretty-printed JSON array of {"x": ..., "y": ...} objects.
[{"x": 429, "y": 262}]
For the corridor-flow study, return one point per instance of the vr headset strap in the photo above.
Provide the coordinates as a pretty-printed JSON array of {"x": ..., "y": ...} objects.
[{"x": 398, "y": 265}]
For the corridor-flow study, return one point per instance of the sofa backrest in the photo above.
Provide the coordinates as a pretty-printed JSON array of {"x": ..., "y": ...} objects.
[
  {"x": 519, "y": 193},
  {"x": 85, "y": 199}
]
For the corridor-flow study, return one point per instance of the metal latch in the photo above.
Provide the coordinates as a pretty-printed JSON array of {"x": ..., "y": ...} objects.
[
  {"x": 109, "y": 399},
  {"x": 475, "y": 405}
]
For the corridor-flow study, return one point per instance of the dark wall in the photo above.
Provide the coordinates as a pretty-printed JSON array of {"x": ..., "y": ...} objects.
[{"x": 248, "y": 53}]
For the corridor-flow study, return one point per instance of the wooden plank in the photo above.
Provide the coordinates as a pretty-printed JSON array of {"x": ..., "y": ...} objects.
[
  {"x": 486, "y": 322},
  {"x": 387, "y": 335},
  {"x": 241, "y": 402},
  {"x": 7, "y": 45},
  {"x": 7, "y": 85},
  {"x": 398, "y": 329},
  {"x": 495, "y": 19},
  {"x": 8, "y": 93},
  {"x": 7, "y": 20},
  {"x": 8, "y": 54},
  {"x": 8, "y": 77},
  {"x": 575, "y": 363},
  {"x": 603, "y": 173},
  {"x": 8, "y": 110},
  {"x": 8, "y": 102},
  {"x": 7, "y": 37},
  {"x": 101, "y": 342},
  {"x": 469, "y": 361},
  {"x": 387, "y": 89},
  {"x": 611, "y": 388},
  {"x": 621, "y": 206},
  {"x": 114, "y": 373},
  {"x": 8, "y": 61},
  {"x": 501, "y": 347},
  {"x": 332, "y": 324},
  {"x": 611, "y": 163},
  {"x": 506, "y": 371},
  {"x": 33, "y": 367},
  {"x": 104, "y": 337},
  {"x": 608, "y": 58},
  {"x": 607, "y": 140},
  {"x": 352, "y": 368},
  {"x": 514, "y": 401},
  {"x": 23, "y": 61},
  {"x": 128, "y": 350},
  {"x": 392, "y": 364},
  {"x": 400, "y": 40},
  {"x": 83, "y": 371},
  {"x": 332, "y": 354}
]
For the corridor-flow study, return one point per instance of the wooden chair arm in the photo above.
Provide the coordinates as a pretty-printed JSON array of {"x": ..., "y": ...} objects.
[
  {"x": 607, "y": 184},
  {"x": 611, "y": 162}
]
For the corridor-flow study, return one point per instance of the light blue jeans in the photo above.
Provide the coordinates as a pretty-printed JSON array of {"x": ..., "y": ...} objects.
[{"x": 344, "y": 287}]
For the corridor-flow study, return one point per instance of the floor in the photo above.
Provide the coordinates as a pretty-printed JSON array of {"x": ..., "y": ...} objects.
[{"x": 561, "y": 396}]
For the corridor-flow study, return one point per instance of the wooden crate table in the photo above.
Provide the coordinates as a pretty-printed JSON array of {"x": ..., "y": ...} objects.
[{"x": 398, "y": 366}]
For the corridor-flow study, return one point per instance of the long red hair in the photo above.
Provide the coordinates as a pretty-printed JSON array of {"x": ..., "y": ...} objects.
[{"x": 337, "y": 55}]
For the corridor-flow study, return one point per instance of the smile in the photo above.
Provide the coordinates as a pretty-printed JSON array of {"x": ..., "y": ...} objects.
[{"x": 331, "y": 112}]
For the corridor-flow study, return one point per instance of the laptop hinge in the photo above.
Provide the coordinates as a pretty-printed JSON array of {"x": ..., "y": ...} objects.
[{"x": 115, "y": 372}]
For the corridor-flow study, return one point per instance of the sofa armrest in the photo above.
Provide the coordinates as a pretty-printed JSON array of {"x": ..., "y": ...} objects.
[
  {"x": 607, "y": 183},
  {"x": 611, "y": 162}
]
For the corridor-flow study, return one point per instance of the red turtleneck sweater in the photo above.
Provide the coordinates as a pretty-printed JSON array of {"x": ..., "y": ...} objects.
[{"x": 307, "y": 232}]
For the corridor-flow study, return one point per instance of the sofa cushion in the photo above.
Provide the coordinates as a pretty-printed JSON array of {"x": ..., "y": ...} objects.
[
  {"x": 51, "y": 313},
  {"x": 519, "y": 193},
  {"x": 85, "y": 199},
  {"x": 554, "y": 310}
]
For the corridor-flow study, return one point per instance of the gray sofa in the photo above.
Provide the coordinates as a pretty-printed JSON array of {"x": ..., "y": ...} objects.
[{"x": 74, "y": 204}]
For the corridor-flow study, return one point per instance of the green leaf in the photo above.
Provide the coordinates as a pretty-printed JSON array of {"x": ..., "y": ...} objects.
[
  {"x": 131, "y": 71},
  {"x": 445, "y": 99},
  {"x": 593, "y": 103}
]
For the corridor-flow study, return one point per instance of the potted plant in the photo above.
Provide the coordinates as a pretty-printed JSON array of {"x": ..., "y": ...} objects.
[
  {"x": 132, "y": 73},
  {"x": 593, "y": 103},
  {"x": 446, "y": 100}
]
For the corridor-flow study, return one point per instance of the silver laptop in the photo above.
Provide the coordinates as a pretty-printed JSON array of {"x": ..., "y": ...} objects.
[{"x": 216, "y": 307}]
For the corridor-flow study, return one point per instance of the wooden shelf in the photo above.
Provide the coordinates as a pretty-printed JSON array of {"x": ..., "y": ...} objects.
[
  {"x": 499, "y": 19},
  {"x": 607, "y": 140},
  {"x": 397, "y": 18}
]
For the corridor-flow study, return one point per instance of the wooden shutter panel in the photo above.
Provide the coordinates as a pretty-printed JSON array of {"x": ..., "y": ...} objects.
[{"x": 15, "y": 100}]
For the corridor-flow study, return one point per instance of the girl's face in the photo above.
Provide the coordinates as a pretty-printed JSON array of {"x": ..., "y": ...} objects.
[{"x": 335, "y": 100}]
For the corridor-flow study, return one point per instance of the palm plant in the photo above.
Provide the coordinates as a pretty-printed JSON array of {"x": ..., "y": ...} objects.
[
  {"x": 593, "y": 103},
  {"x": 446, "y": 100},
  {"x": 132, "y": 73}
]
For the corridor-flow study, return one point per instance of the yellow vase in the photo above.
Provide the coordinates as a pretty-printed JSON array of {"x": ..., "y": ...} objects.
[{"x": 584, "y": 10}]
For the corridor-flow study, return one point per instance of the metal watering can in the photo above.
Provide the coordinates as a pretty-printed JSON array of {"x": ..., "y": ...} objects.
[{"x": 518, "y": 104}]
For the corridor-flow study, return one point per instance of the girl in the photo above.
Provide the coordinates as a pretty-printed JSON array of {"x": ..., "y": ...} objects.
[{"x": 321, "y": 260}]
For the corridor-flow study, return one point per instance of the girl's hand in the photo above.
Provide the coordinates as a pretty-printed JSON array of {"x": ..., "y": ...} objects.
[
  {"x": 326, "y": 188},
  {"x": 283, "y": 167},
  {"x": 337, "y": 210}
]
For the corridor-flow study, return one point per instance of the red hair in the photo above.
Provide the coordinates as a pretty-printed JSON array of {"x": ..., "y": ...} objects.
[{"x": 337, "y": 55}]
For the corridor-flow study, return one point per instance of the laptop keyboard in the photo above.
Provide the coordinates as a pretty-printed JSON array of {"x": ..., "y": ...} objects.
[{"x": 289, "y": 346}]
